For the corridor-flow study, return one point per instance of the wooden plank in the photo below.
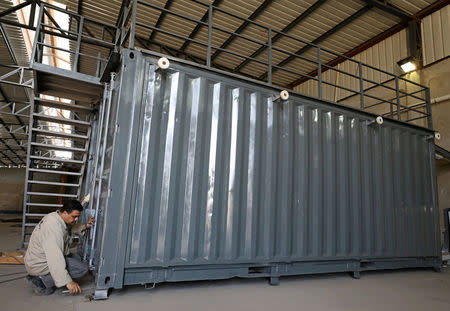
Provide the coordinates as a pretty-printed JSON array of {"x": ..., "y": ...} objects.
[{"x": 11, "y": 258}]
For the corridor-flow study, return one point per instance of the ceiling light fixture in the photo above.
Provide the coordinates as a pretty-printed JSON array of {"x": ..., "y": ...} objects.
[{"x": 408, "y": 64}]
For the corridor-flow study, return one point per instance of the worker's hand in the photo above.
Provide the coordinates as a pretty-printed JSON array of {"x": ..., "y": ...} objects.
[
  {"x": 90, "y": 222},
  {"x": 73, "y": 288}
]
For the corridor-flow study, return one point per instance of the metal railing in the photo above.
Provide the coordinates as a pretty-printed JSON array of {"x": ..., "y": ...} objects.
[
  {"x": 82, "y": 34},
  {"x": 388, "y": 95},
  {"x": 395, "y": 102}
]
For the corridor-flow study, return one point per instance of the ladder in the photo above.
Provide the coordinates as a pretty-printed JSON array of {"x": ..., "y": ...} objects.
[{"x": 58, "y": 144}]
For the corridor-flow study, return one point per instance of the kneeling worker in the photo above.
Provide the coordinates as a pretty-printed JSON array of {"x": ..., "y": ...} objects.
[{"x": 48, "y": 260}]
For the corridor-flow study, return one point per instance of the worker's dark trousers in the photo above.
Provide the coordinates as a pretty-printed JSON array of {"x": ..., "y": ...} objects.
[{"x": 74, "y": 266}]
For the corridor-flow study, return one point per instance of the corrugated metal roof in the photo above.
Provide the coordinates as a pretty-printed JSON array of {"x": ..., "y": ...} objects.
[
  {"x": 411, "y": 6},
  {"x": 339, "y": 26},
  {"x": 12, "y": 52},
  {"x": 277, "y": 15}
]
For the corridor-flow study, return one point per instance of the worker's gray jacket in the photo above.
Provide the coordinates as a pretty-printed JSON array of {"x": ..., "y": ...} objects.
[{"x": 49, "y": 243}]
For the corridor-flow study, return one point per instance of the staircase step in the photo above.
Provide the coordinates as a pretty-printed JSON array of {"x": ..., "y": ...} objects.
[
  {"x": 61, "y": 120},
  {"x": 49, "y": 194},
  {"x": 51, "y": 183},
  {"x": 38, "y": 170},
  {"x": 34, "y": 215},
  {"x": 59, "y": 134},
  {"x": 56, "y": 147},
  {"x": 56, "y": 159},
  {"x": 60, "y": 105},
  {"x": 44, "y": 204}
]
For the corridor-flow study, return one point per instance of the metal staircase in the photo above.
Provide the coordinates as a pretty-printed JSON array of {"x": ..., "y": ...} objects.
[{"x": 58, "y": 140}]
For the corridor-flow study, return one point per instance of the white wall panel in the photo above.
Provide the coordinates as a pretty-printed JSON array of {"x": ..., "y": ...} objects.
[
  {"x": 383, "y": 55},
  {"x": 436, "y": 36}
]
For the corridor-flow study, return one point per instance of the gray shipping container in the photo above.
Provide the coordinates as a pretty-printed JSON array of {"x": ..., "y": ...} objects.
[{"x": 206, "y": 176}]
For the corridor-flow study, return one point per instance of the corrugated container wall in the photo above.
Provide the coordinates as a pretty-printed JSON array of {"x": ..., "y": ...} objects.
[{"x": 208, "y": 177}]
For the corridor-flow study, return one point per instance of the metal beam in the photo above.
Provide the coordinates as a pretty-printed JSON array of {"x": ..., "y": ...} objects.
[
  {"x": 160, "y": 19},
  {"x": 176, "y": 53},
  {"x": 3, "y": 163},
  {"x": 7, "y": 157},
  {"x": 388, "y": 8},
  {"x": 15, "y": 153},
  {"x": 7, "y": 149},
  {"x": 198, "y": 26},
  {"x": 241, "y": 28},
  {"x": 322, "y": 37},
  {"x": 8, "y": 138},
  {"x": 125, "y": 3},
  {"x": 16, "y": 24},
  {"x": 10, "y": 129},
  {"x": 375, "y": 40},
  {"x": 55, "y": 23},
  {"x": 15, "y": 8},
  {"x": 8, "y": 44},
  {"x": 32, "y": 13},
  {"x": 80, "y": 12},
  {"x": 2, "y": 93},
  {"x": 17, "y": 140},
  {"x": 13, "y": 56},
  {"x": 3, "y": 123},
  {"x": 286, "y": 29},
  {"x": 80, "y": 7},
  {"x": 18, "y": 72},
  {"x": 442, "y": 152}
]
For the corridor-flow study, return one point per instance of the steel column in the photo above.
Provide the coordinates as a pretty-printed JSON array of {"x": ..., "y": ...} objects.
[
  {"x": 428, "y": 108},
  {"x": 102, "y": 162},
  {"x": 210, "y": 21}
]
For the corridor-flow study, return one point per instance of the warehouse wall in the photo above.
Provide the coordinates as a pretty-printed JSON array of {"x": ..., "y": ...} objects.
[
  {"x": 383, "y": 55},
  {"x": 435, "y": 35},
  {"x": 437, "y": 77},
  {"x": 11, "y": 189}
]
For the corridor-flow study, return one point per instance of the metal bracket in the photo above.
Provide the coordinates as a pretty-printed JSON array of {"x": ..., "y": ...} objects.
[
  {"x": 378, "y": 121},
  {"x": 282, "y": 97},
  {"x": 147, "y": 286},
  {"x": 101, "y": 294}
]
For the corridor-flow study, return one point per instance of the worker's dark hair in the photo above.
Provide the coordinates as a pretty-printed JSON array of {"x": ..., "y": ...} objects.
[{"x": 71, "y": 205}]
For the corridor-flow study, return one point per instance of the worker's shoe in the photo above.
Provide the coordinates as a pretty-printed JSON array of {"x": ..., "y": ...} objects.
[{"x": 38, "y": 286}]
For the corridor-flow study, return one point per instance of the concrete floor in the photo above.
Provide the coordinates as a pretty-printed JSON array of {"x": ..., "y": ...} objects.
[{"x": 417, "y": 289}]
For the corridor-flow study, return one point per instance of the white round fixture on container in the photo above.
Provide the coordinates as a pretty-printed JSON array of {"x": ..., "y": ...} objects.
[
  {"x": 284, "y": 95},
  {"x": 163, "y": 63},
  {"x": 379, "y": 120},
  {"x": 437, "y": 135}
]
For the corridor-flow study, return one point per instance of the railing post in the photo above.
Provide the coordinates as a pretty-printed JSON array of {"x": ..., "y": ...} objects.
[
  {"x": 391, "y": 110},
  {"x": 428, "y": 107},
  {"x": 269, "y": 56},
  {"x": 361, "y": 86},
  {"x": 208, "y": 52},
  {"x": 133, "y": 25},
  {"x": 98, "y": 70},
  {"x": 35, "y": 53},
  {"x": 122, "y": 27},
  {"x": 77, "y": 51},
  {"x": 101, "y": 142},
  {"x": 117, "y": 38},
  {"x": 397, "y": 96},
  {"x": 319, "y": 71}
]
